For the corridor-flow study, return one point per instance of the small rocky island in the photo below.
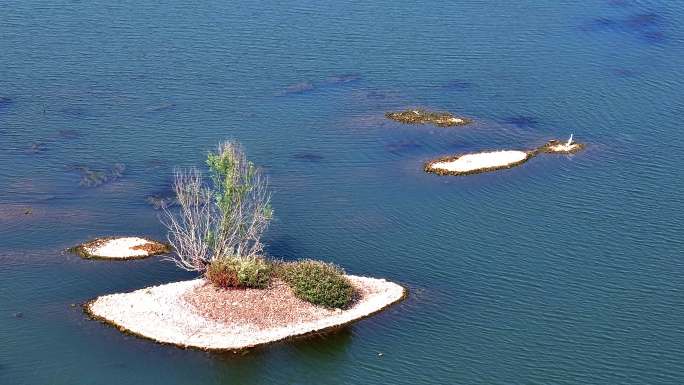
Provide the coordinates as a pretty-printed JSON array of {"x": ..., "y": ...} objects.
[
  {"x": 120, "y": 248},
  {"x": 197, "y": 314},
  {"x": 475, "y": 163},
  {"x": 242, "y": 298},
  {"x": 480, "y": 162},
  {"x": 557, "y": 147},
  {"x": 420, "y": 116}
]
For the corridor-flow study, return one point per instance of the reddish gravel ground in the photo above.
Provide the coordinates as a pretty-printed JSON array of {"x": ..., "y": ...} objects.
[{"x": 275, "y": 306}]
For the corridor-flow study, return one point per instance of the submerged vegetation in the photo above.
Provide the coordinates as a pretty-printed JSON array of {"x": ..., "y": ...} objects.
[
  {"x": 298, "y": 88},
  {"x": 343, "y": 78},
  {"x": 457, "y": 85},
  {"x": 5, "y": 101},
  {"x": 307, "y": 86},
  {"x": 166, "y": 106},
  {"x": 522, "y": 121},
  {"x": 160, "y": 201},
  {"x": 68, "y": 134},
  {"x": 420, "y": 116},
  {"x": 403, "y": 146},
  {"x": 309, "y": 157},
  {"x": 95, "y": 178},
  {"x": 36, "y": 148},
  {"x": 644, "y": 24}
]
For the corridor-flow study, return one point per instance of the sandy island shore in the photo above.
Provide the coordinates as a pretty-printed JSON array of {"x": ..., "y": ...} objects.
[
  {"x": 196, "y": 314},
  {"x": 557, "y": 147},
  {"x": 121, "y": 248},
  {"x": 477, "y": 162}
]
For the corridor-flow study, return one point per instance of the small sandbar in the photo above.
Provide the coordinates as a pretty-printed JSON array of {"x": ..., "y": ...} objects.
[
  {"x": 419, "y": 116},
  {"x": 558, "y": 147},
  {"x": 479, "y": 162},
  {"x": 120, "y": 248},
  {"x": 196, "y": 314}
]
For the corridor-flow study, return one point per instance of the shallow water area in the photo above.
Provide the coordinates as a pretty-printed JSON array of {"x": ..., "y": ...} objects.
[{"x": 566, "y": 270}]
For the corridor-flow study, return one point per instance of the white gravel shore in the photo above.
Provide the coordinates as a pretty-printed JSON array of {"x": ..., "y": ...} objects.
[
  {"x": 122, "y": 248},
  {"x": 161, "y": 314},
  {"x": 480, "y": 161},
  {"x": 563, "y": 148}
]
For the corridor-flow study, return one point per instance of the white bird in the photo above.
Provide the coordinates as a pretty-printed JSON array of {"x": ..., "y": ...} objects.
[{"x": 569, "y": 141}]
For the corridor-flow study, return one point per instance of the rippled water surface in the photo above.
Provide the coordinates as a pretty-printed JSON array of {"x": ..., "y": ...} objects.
[{"x": 566, "y": 270}]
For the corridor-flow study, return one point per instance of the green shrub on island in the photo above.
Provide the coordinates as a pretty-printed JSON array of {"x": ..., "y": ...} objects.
[
  {"x": 318, "y": 282},
  {"x": 239, "y": 272},
  {"x": 216, "y": 229}
]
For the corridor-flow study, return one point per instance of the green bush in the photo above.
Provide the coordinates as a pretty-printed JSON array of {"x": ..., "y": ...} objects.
[
  {"x": 318, "y": 282},
  {"x": 239, "y": 272}
]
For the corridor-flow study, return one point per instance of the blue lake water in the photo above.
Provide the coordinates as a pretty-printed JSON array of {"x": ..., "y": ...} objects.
[{"x": 566, "y": 270}]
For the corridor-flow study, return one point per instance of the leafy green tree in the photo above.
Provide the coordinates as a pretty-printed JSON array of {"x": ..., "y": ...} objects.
[{"x": 223, "y": 218}]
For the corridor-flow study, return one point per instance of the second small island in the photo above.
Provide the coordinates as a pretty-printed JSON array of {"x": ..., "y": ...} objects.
[{"x": 486, "y": 161}]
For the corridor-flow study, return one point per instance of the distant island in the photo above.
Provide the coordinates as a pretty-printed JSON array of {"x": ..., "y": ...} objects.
[
  {"x": 421, "y": 116},
  {"x": 558, "y": 147},
  {"x": 486, "y": 161},
  {"x": 479, "y": 162},
  {"x": 242, "y": 298}
]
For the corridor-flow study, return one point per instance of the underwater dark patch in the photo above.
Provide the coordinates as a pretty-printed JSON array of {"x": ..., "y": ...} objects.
[
  {"x": 5, "y": 101},
  {"x": 161, "y": 201},
  {"x": 624, "y": 72},
  {"x": 376, "y": 95},
  {"x": 94, "y": 178},
  {"x": 68, "y": 134},
  {"x": 620, "y": 3},
  {"x": 457, "y": 85},
  {"x": 153, "y": 164},
  {"x": 402, "y": 146},
  {"x": 36, "y": 148},
  {"x": 601, "y": 24},
  {"x": 74, "y": 111},
  {"x": 309, "y": 157},
  {"x": 522, "y": 121},
  {"x": 654, "y": 37},
  {"x": 343, "y": 79},
  {"x": 644, "y": 25},
  {"x": 642, "y": 20},
  {"x": 298, "y": 88},
  {"x": 163, "y": 197},
  {"x": 161, "y": 107}
]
